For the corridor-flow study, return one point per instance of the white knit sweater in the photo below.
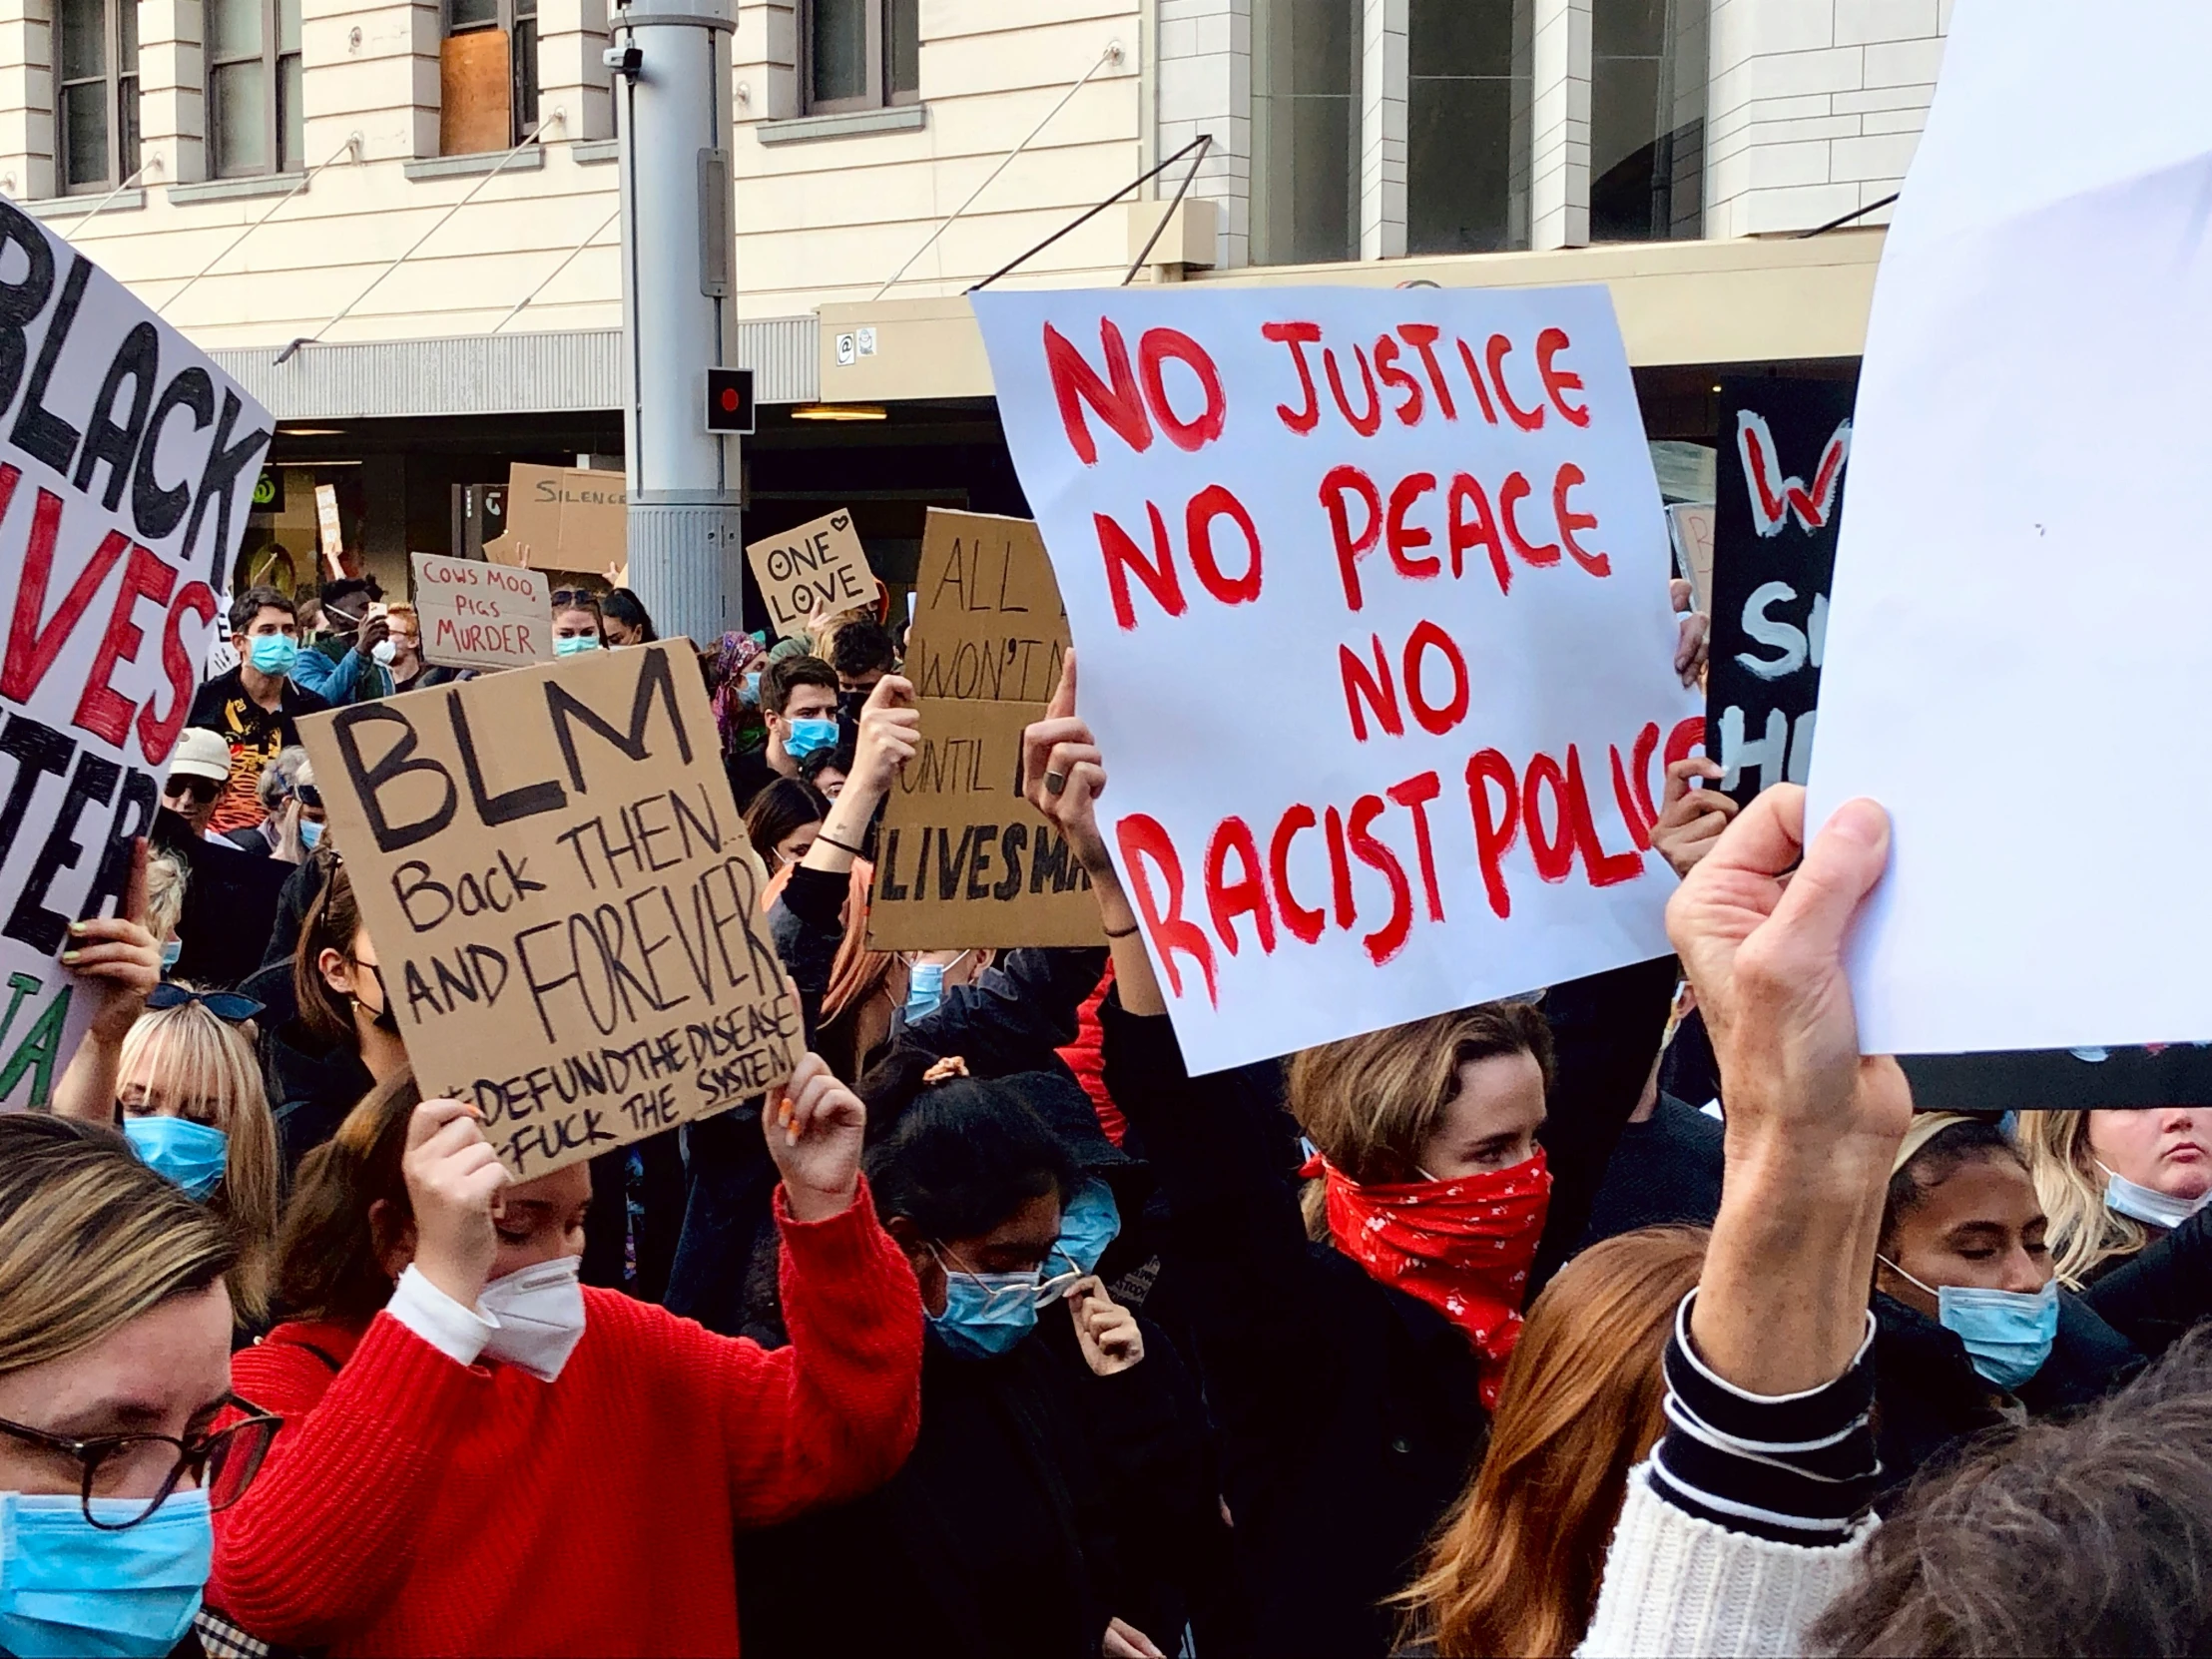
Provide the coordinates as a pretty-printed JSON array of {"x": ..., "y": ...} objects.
[{"x": 1675, "y": 1584}]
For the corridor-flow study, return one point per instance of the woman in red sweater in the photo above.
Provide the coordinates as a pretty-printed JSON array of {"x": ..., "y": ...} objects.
[{"x": 481, "y": 1458}]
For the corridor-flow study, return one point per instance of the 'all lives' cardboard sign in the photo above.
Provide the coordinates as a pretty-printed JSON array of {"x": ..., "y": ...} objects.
[
  {"x": 963, "y": 860},
  {"x": 128, "y": 462},
  {"x": 566, "y": 910}
]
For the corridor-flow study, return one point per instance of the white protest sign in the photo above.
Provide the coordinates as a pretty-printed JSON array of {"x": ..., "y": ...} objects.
[
  {"x": 480, "y": 615},
  {"x": 2021, "y": 594},
  {"x": 1370, "y": 590},
  {"x": 127, "y": 470}
]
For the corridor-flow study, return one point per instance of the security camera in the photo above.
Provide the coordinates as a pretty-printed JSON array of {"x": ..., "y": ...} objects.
[{"x": 623, "y": 60}]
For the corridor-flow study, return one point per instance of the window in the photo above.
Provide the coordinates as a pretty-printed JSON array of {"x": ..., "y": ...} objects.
[
  {"x": 96, "y": 93},
  {"x": 255, "y": 119},
  {"x": 1305, "y": 131},
  {"x": 863, "y": 54},
  {"x": 1647, "y": 118},
  {"x": 1466, "y": 125},
  {"x": 490, "y": 75}
]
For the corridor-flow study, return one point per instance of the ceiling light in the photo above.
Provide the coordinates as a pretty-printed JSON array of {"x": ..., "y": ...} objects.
[
  {"x": 311, "y": 432},
  {"x": 839, "y": 411},
  {"x": 1716, "y": 387}
]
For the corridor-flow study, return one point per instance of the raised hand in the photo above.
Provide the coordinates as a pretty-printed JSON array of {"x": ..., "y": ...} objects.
[
  {"x": 1063, "y": 774},
  {"x": 1690, "y": 821},
  {"x": 453, "y": 1183},
  {"x": 814, "y": 1126},
  {"x": 889, "y": 736},
  {"x": 1108, "y": 1332},
  {"x": 116, "y": 959}
]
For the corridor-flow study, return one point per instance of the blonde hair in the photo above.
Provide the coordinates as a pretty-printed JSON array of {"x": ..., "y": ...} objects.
[
  {"x": 1369, "y": 1102},
  {"x": 90, "y": 1239},
  {"x": 206, "y": 1072},
  {"x": 2084, "y": 1231},
  {"x": 166, "y": 878},
  {"x": 1516, "y": 1567}
]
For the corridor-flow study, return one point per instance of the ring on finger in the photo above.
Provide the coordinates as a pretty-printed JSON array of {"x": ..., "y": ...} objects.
[{"x": 1055, "y": 781}]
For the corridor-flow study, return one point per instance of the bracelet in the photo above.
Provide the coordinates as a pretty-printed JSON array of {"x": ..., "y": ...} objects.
[
  {"x": 1111, "y": 933},
  {"x": 842, "y": 846}
]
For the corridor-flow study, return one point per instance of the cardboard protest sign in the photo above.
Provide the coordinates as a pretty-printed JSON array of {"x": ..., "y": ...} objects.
[
  {"x": 563, "y": 518},
  {"x": 330, "y": 530},
  {"x": 1691, "y": 525},
  {"x": 817, "y": 567},
  {"x": 127, "y": 471},
  {"x": 2020, "y": 590},
  {"x": 1371, "y": 591},
  {"x": 567, "y": 912},
  {"x": 480, "y": 615},
  {"x": 1779, "y": 480},
  {"x": 965, "y": 860}
]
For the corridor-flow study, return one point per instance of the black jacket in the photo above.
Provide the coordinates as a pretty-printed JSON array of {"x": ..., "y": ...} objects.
[
  {"x": 2154, "y": 1297},
  {"x": 1348, "y": 1411},
  {"x": 1928, "y": 1401},
  {"x": 314, "y": 1086},
  {"x": 1665, "y": 1171}
]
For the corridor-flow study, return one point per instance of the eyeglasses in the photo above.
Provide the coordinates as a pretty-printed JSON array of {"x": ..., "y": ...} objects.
[
  {"x": 308, "y": 796},
  {"x": 199, "y": 790},
  {"x": 227, "y": 1006},
  {"x": 1041, "y": 1292},
  {"x": 223, "y": 1462}
]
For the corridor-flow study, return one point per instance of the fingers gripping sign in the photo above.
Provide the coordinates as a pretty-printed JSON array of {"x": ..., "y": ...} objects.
[{"x": 455, "y": 1178}]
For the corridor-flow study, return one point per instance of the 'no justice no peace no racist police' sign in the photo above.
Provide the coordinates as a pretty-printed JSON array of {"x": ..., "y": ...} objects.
[{"x": 1369, "y": 589}]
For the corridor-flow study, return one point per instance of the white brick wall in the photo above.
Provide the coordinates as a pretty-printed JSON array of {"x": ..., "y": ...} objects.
[
  {"x": 1559, "y": 120},
  {"x": 1203, "y": 84},
  {"x": 1384, "y": 70},
  {"x": 1814, "y": 108}
]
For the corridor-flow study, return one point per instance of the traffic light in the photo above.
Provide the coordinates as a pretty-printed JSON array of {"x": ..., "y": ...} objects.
[{"x": 729, "y": 400}]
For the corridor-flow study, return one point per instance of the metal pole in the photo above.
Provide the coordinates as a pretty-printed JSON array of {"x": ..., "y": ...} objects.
[{"x": 678, "y": 308}]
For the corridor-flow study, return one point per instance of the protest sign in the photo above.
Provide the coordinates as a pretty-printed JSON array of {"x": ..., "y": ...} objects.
[
  {"x": 964, "y": 859},
  {"x": 817, "y": 568},
  {"x": 1784, "y": 445},
  {"x": 127, "y": 472},
  {"x": 563, "y": 518},
  {"x": 1371, "y": 593},
  {"x": 480, "y": 615},
  {"x": 1691, "y": 525},
  {"x": 567, "y": 912},
  {"x": 2020, "y": 593},
  {"x": 330, "y": 530}
]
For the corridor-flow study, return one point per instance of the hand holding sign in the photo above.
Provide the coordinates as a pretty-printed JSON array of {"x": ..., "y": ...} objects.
[
  {"x": 1064, "y": 773},
  {"x": 453, "y": 1180},
  {"x": 117, "y": 960},
  {"x": 1690, "y": 821},
  {"x": 814, "y": 1135},
  {"x": 891, "y": 731}
]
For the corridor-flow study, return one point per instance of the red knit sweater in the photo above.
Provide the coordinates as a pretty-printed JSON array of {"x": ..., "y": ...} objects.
[{"x": 412, "y": 1505}]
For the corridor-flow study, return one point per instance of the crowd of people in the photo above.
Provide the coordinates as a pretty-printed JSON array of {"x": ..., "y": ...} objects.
[{"x": 1641, "y": 1316}]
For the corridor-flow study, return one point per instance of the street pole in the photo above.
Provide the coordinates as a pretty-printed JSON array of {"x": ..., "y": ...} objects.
[{"x": 671, "y": 60}]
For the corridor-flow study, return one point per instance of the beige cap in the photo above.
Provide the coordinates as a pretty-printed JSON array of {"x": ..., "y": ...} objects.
[
  {"x": 1925, "y": 1127},
  {"x": 202, "y": 754}
]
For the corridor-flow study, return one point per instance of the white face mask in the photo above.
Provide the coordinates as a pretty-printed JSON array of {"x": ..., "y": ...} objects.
[
  {"x": 539, "y": 1311},
  {"x": 2148, "y": 1204}
]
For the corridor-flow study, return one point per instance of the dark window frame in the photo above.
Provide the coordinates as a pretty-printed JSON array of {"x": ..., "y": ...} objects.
[
  {"x": 518, "y": 19},
  {"x": 881, "y": 72},
  {"x": 281, "y": 143},
  {"x": 119, "y": 98}
]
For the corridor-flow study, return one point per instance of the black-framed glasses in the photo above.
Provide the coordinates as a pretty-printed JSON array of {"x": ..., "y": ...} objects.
[
  {"x": 227, "y": 1006},
  {"x": 223, "y": 1462}
]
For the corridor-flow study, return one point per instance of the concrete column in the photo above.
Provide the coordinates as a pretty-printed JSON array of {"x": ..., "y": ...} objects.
[
  {"x": 172, "y": 81},
  {"x": 1559, "y": 145},
  {"x": 1202, "y": 67},
  {"x": 572, "y": 35},
  {"x": 766, "y": 60},
  {"x": 27, "y": 101},
  {"x": 1384, "y": 71}
]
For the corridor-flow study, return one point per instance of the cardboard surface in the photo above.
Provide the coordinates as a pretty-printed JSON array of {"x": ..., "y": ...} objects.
[
  {"x": 988, "y": 622},
  {"x": 107, "y": 588},
  {"x": 1370, "y": 588},
  {"x": 1691, "y": 525},
  {"x": 478, "y": 615},
  {"x": 962, "y": 858},
  {"x": 329, "y": 531},
  {"x": 820, "y": 566},
  {"x": 565, "y": 906},
  {"x": 561, "y": 518}
]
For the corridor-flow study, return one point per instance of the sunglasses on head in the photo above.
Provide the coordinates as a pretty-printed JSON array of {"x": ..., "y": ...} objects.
[
  {"x": 227, "y": 1006},
  {"x": 574, "y": 596},
  {"x": 200, "y": 790},
  {"x": 308, "y": 796}
]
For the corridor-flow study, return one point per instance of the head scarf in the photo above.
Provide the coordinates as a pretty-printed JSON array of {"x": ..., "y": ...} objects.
[{"x": 726, "y": 670}]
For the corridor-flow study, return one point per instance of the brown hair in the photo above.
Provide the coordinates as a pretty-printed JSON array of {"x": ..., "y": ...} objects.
[
  {"x": 332, "y": 923},
  {"x": 331, "y": 1253},
  {"x": 1368, "y": 1101},
  {"x": 205, "y": 1069},
  {"x": 90, "y": 1239},
  {"x": 1516, "y": 1567}
]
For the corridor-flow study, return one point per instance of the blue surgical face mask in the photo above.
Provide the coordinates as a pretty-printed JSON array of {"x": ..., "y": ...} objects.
[
  {"x": 194, "y": 1155},
  {"x": 310, "y": 833},
  {"x": 924, "y": 990},
  {"x": 173, "y": 951},
  {"x": 273, "y": 654},
  {"x": 985, "y": 1313},
  {"x": 1090, "y": 1222},
  {"x": 2148, "y": 1204},
  {"x": 802, "y": 737},
  {"x": 574, "y": 643},
  {"x": 67, "y": 1587},
  {"x": 2007, "y": 1334}
]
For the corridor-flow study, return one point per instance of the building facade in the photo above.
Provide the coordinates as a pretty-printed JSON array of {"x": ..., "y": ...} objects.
[{"x": 397, "y": 220}]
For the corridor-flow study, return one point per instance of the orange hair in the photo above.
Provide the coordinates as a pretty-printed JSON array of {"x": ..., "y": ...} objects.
[{"x": 1517, "y": 1566}]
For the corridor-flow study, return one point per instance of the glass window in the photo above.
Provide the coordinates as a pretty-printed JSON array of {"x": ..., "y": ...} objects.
[
  {"x": 905, "y": 48},
  {"x": 863, "y": 54},
  {"x": 1647, "y": 118},
  {"x": 96, "y": 92},
  {"x": 1466, "y": 125},
  {"x": 1305, "y": 131},
  {"x": 245, "y": 67}
]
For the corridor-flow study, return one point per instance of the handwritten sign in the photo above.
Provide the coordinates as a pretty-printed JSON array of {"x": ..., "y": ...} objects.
[
  {"x": 1691, "y": 525},
  {"x": 127, "y": 471},
  {"x": 817, "y": 567},
  {"x": 329, "y": 531},
  {"x": 965, "y": 860},
  {"x": 565, "y": 906},
  {"x": 563, "y": 518},
  {"x": 1371, "y": 591},
  {"x": 1780, "y": 487},
  {"x": 478, "y": 615}
]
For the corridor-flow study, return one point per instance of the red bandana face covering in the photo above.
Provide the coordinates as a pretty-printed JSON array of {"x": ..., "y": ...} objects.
[{"x": 1465, "y": 1247}]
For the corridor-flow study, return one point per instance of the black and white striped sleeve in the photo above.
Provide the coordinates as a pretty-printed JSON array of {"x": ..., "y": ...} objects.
[{"x": 1795, "y": 1469}]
